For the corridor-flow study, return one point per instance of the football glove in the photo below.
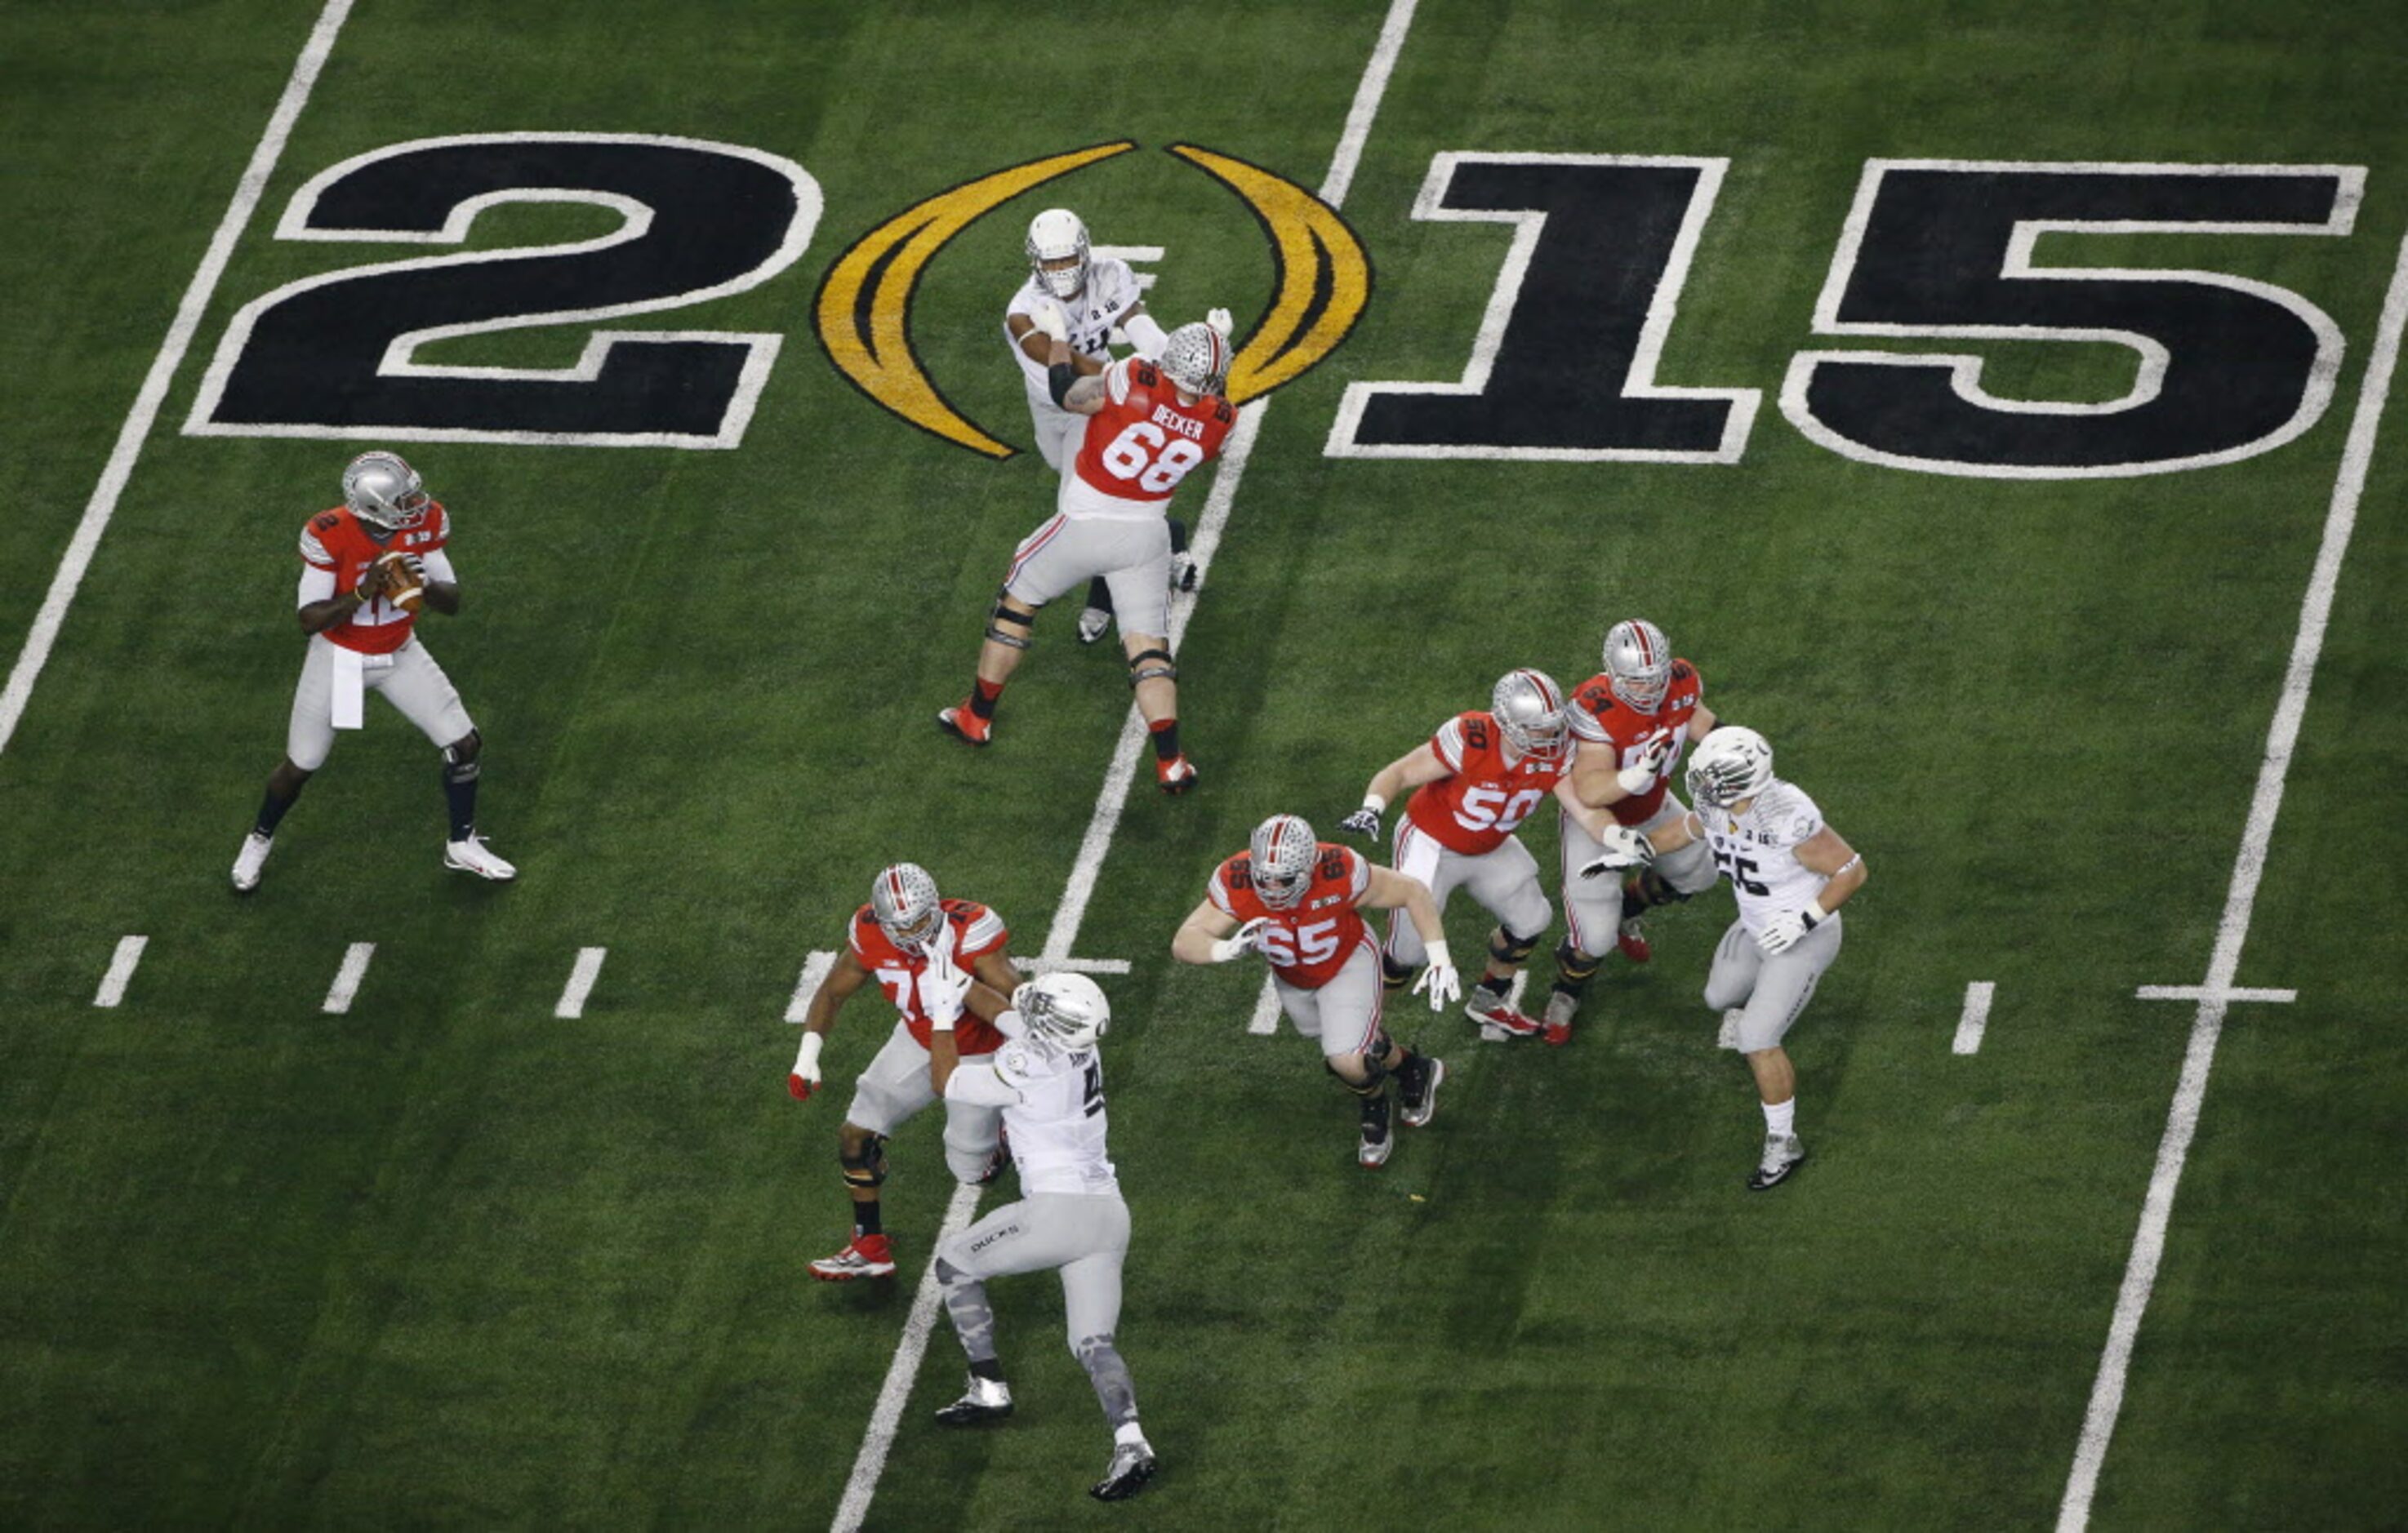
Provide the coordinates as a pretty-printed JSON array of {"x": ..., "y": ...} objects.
[
  {"x": 1364, "y": 822},
  {"x": 805, "y": 1077},
  {"x": 1050, "y": 322},
  {"x": 944, "y": 990},
  {"x": 1240, "y": 941},
  {"x": 1219, "y": 320},
  {"x": 1439, "y": 981},
  {"x": 1184, "y": 573},
  {"x": 1635, "y": 780},
  {"x": 1785, "y": 931},
  {"x": 1624, "y": 848}
]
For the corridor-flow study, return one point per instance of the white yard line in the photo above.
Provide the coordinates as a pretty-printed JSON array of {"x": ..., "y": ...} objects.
[
  {"x": 1267, "y": 1010},
  {"x": 815, "y": 969},
  {"x": 1976, "y": 1017},
  {"x": 2217, "y": 994},
  {"x": 138, "y": 421},
  {"x": 120, "y": 970},
  {"x": 582, "y": 976},
  {"x": 1064, "y": 934},
  {"x": 2200, "y": 992},
  {"x": 347, "y": 978}
]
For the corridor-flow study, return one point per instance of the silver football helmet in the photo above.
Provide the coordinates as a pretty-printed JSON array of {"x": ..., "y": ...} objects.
[
  {"x": 1285, "y": 849},
  {"x": 1730, "y": 767},
  {"x": 903, "y": 900},
  {"x": 1056, "y": 237},
  {"x": 1068, "y": 1010},
  {"x": 1639, "y": 664},
  {"x": 1529, "y": 707},
  {"x": 1196, "y": 358},
  {"x": 381, "y": 489}
]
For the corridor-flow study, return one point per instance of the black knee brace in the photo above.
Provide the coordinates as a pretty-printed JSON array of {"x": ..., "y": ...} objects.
[
  {"x": 1375, "y": 1072},
  {"x": 1160, "y": 667},
  {"x": 1512, "y": 949},
  {"x": 461, "y": 758},
  {"x": 1574, "y": 969},
  {"x": 999, "y": 615},
  {"x": 870, "y": 1169}
]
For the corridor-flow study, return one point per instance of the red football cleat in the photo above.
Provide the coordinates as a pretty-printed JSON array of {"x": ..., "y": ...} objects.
[
  {"x": 1177, "y": 775},
  {"x": 1503, "y": 1016},
  {"x": 1631, "y": 937},
  {"x": 963, "y": 725},
  {"x": 866, "y": 1257}
]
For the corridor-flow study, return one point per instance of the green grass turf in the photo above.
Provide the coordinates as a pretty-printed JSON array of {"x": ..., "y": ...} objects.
[{"x": 448, "y": 1259}]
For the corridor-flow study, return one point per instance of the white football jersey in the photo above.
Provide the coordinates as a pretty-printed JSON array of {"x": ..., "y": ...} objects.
[
  {"x": 1112, "y": 293},
  {"x": 1053, "y": 1102},
  {"x": 1758, "y": 851}
]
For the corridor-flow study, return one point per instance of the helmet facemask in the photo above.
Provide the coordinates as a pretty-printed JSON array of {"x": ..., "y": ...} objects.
[
  {"x": 903, "y": 900},
  {"x": 1282, "y": 853},
  {"x": 1196, "y": 358},
  {"x": 1639, "y": 664},
  {"x": 1529, "y": 708},
  {"x": 384, "y": 491},
  {"x": 1730, "y": 767},
  {"x": 1058, "y": 253},
  {"x": 1068, "y": 1010}
]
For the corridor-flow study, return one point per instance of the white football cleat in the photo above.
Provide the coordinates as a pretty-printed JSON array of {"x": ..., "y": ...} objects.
[
  {"x": 249, "y": 861},
  {"x": 473, "y": 856},
  {"x": 988, "y": 1399},
  {"x": 1093, "y": 621}
]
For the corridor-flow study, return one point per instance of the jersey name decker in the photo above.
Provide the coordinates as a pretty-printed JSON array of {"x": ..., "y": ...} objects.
[
  {"x": 1307, "y": 943},
  {"x": 1758, "y": 852},
  {"x": 1479, "y": 807},
  {"x": 1141, "y": 443},
  {"x": 1601, "y": 719},
  {"x": 977, "y": 932}
]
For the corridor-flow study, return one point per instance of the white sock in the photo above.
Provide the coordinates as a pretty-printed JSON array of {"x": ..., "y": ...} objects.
[
  {"x": 1128, "y": 1433},
  {"x": 1781, "y": 1117}
]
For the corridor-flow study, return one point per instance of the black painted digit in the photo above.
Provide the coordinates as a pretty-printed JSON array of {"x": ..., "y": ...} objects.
[
  {"x": 1095, "y": 1086},
  {"x": 1564, "y": 366},
  {"x": 2226, "y": 368},
  {"x": 334, "y": 354}
]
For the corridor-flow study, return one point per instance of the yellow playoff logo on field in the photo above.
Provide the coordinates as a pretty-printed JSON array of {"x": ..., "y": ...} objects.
[{"x": 863, "y": 307}]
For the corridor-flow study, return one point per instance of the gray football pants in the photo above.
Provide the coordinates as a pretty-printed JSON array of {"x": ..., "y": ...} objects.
[
  {"x": 1773, "y": 988},
  {"x": 1084, "y": 1236}
]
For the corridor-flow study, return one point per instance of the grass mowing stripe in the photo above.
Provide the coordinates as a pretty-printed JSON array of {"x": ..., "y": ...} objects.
[
  {"x": 347, "y": 979},
  {"x": 1069, "y": 915},
  {"x": 120, "y": 970},
  {"x": 1976, "y": 1017},
  {"x": 2217, "y": 994},
  {"x": 138, "y": 421}
]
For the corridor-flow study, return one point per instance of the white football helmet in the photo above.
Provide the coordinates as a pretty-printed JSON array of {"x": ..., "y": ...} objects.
[
  {"x": 1283, "y": 851},
  {"x": 1055, "y": 236},
  {"x": 903, "y": 898},
  {"x": 1068, "y": 1010},
  {"x": 1730, "y": 767},
  {"x": 1196, "y": 358},
  {"x": 1529, "y": 707},
  {"x": 384, "y": 490},
  {"x": 1639, "y": 664}
]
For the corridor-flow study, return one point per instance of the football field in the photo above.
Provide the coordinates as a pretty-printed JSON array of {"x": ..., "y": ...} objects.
[{"x": 1995, "y": 402}]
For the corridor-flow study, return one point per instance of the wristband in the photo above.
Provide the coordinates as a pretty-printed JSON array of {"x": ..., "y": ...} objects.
[
  {"x": 943, "y": 1025},
  {"x": 1814, "y": 913},
  {"x": 1058, "y": 379},
  {"x": 809, "y": 1059},
  {"x": 1437, "y": 955},
  {"x": 1376, "y": 804}
]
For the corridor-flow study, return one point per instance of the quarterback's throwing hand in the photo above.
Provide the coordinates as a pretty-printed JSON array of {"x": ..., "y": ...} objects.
[{"x": 1364, "y": 822}]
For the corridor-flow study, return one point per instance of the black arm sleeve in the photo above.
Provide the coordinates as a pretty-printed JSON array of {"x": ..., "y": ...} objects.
[{"x": 1058, "y": 378}]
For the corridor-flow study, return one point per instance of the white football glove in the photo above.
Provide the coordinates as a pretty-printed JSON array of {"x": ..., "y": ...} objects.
[
  {"x": 1635, "y": 780},
  {"x": 1624, "y": 848},
  {"x": 1439, "y": 981},
  {"x": 1219, "y": 320},
  {"x": 1239, "y": 942},
  {"x": 1785, "y": 931},
  {"x": 805, "y": 1077},
  {"x": 1050, "y": 322},
  {"x": 944, "y": 990},
  {"x": 1363, "y": 821}
]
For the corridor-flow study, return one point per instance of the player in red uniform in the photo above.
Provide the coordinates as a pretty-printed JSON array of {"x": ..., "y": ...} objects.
[
  {"x": 1633, "y": 720},
  {"x": 1298, "y": 902},
  {"x": 893, "y": 939},
  {"x": 1149, "y": 424},
  {"x": 367, "y": 566},
  {"x": 1473, "y": 784}
]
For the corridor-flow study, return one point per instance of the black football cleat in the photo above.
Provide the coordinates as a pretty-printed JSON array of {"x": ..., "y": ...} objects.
[
  {"x": 1133, "y": 1464},
  {"x": 1782, "y": 1155}
]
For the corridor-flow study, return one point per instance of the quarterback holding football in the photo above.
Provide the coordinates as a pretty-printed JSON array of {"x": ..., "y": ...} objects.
[{"x": 368, "y": 567}]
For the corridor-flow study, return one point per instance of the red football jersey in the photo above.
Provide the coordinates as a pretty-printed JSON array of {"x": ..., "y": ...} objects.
[
  {"x": 1601, "y": 718},
  {"x": 1310, "y": 941},
  {"x": 977, "y": 932},
  {"x": 1143, "y": 442},
  {"x": 1483, "y": 800},
  {"x": 338, "y": 540}
]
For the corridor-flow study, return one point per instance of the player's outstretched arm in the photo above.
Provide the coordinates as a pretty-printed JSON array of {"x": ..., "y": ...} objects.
[
  {"x": 844, "y": 976},
  {"x": 997, "y": 977},
  {"x": 1388, "y": 891},
  {"x": 1403, "y": 775},
  {"x": 1701, "y": 724},
  {"x": 1199, "y": 937}
]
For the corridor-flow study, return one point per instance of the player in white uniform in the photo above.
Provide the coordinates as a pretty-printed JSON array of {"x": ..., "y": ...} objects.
[
  {"x": 1097, "y": 295},
  {"x": 1790, "y": 873},
  {"x": 1049, "y": 1081}
]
